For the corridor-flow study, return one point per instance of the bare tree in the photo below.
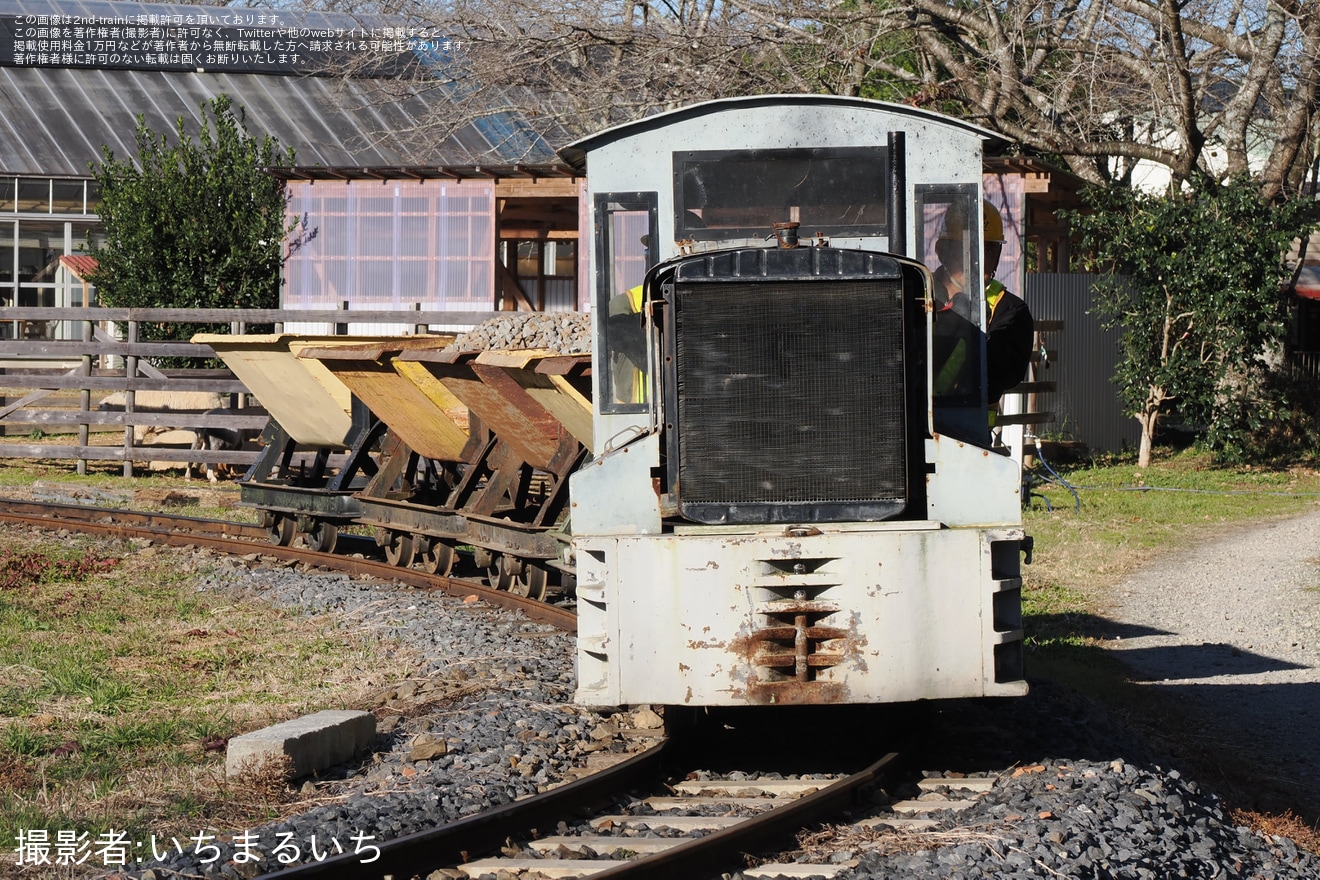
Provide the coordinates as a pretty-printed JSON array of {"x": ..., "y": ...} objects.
[
  {"x": 571, "y": 68},
  {"x": 1198, "y": 86},
  {"x": 1202, "y": 86},
  {"x": 577, "y": 67}
]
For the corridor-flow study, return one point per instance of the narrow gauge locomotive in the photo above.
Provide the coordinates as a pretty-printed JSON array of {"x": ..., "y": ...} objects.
[
  {"x": 792, "y": 499},
  {"x": 789, "y": 496}
]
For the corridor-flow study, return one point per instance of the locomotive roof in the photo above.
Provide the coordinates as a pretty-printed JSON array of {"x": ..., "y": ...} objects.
[{"x": 575, "y": 154}]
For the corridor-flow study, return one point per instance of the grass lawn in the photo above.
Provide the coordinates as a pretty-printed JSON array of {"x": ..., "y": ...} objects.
[
  {"x": 1126, "y": 517},
  {"x": 120, "y": 682}
]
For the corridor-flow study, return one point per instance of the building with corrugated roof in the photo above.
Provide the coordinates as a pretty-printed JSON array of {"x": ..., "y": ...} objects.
[{"x": 372, "y": 168}]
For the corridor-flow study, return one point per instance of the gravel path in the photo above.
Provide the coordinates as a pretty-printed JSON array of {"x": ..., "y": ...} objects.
[{"x": 1230, "y": 629}]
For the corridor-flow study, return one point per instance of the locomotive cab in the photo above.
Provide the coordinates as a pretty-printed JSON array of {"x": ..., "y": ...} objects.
[{"x": 790, "y": 499}]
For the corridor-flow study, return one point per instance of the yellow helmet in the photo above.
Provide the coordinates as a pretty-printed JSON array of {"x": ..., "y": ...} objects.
[{"x": 991, "y": 223}]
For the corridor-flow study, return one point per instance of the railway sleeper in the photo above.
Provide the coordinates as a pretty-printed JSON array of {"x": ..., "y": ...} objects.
[{"x": 615, "y": 837}]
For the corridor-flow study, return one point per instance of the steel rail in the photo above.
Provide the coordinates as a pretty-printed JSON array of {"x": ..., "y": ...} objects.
[
  {"x": 422, "y": 852},
  {"x": 240, "y": 538},
  {"x": 52, "y": 514}
]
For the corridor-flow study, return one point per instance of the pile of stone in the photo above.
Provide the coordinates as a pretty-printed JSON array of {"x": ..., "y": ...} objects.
[
  {"x": 1083, "y": 818},
  {"x": 560, "y": 332}
]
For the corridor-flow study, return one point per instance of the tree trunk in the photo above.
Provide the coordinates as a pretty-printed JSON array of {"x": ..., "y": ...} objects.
[{"x": 1147, "y": 420}]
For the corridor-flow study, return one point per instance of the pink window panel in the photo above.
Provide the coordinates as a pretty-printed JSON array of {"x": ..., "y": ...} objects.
[{"x": 393, "y": 245}]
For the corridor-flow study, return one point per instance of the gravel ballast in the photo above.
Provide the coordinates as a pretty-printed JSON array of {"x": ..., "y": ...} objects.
[
  {"x": 1084, "y": 799},
  {"x": 560, "y": 332},
  {"x": 485, "y": 720},
  {"x": 1092, "y": 819}
]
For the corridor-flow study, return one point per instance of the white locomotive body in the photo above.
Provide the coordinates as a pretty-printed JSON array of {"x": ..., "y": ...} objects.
[{"x": 792, "y": 499}]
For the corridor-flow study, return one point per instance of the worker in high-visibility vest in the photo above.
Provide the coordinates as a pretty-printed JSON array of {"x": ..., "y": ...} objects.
[
  {"x": 1009, "y": 327},
  {"x": 627, "y": 341}
]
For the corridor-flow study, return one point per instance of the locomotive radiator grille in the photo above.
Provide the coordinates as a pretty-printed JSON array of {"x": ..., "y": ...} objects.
[
  {"x": 791, "y": 400},
  {"x": 794, "y": 648}
]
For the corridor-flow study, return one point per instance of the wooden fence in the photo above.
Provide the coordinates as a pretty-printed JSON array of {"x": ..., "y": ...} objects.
[{"x": 54, "y": 381}]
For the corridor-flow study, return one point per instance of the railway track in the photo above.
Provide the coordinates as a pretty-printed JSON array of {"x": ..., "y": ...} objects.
[
  {"x": 242, "y": 539},
  {"x": 696, "y": 828},
  {"x": 705, "y": 845}
]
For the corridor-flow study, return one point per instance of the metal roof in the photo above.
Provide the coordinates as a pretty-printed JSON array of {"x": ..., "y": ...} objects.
[
  {"x": 53, "y": 120},
  {"x": 80, "y": 265},
  {"x": 425, "y": 172}
]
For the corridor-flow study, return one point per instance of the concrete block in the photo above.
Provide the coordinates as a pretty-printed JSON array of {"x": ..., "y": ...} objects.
[{"x": 313, "y": 742}]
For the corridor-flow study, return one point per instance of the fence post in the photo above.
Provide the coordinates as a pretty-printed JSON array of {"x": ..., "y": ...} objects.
[
  {"x": 237, "y": 400},
  {"x": 130, "y": 371},
  {"x": 85, "y": 397},
  {"x": 419, "y": 329}
]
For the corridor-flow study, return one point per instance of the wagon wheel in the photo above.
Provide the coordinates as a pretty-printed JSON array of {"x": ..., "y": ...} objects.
[
  {"x": 325, "y": 536},
  {"x": 531, "y": 581},
  {"x": 318, "y": 535},
  {"x": 437, "y": 556},
  {"x": 501, "y": 572},
  {"x": 279, "y": 528},
  {"x": 399, "y": 549},
  {"x": 484, "y": 559}
]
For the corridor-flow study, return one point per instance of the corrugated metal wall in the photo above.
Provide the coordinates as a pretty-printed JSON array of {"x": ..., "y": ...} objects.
[
  {"x": 561, "y": 295},
  {"x": 1086, "y": 404}
]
